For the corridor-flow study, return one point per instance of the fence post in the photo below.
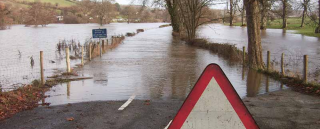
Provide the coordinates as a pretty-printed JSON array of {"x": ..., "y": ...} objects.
[
  {"x": 90, "y": 51},
  {"x": 268, "y": 61},
  {"x": 41, "y": 69},
  {"x": 112, "y": 40},
  {"x": 82, "y": 51},
  {"x": 103, "y": 47},
  {"x": 100, "y": 45},
  {"x": 282, "y": 65},
  {"x": 244, "y": 55},
  {"x": 305, "y": 68},
  {"x": 68, "y": 60},
  {"x": 107, "y": 42}
]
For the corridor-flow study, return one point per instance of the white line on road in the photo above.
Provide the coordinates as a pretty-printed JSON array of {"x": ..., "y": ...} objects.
[
  {"x": 127, "y": 103},
  {"x": 168, "y": 125}
]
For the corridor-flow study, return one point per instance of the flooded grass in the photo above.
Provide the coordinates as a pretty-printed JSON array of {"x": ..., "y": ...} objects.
[
  {"x": 293, "y": 24},
  {"x": 167, "y": 25},
  {"x": 294, "y": 82},
  {"x": 227, "y": 51}
]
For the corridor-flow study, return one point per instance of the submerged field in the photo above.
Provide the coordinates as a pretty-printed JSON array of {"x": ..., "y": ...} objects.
[{"x": 293, "y": 24}]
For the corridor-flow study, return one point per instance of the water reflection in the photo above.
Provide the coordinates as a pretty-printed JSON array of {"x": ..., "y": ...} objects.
[
  {"x": 153, "y": 65},
  {"x": 253, "y": 83},
  {"x": 267, "y": 83}
]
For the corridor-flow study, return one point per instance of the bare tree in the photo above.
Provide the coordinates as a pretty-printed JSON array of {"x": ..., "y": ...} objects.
[
  {"x": 193, "y": 14},
  {"x": 265, "y": 6},
  {"x": 3, "y": 15},
  {"x": 318, "y": 28},
  {"x": 172, "y": 7},
  {"x": 86, "y": 8},
  {"x": 40, "y": 14},
  {"x": 305, "y": 5},
  {"x": 243, "y": 11},
  {"x": 254, "y": 37},
  {"x": 231, "y": 12},
  {"x": 103, "y": 11},
  {"x": 131, "y": 13},
  {"x": 284, "y": 13},
  {"x": 7, "y": 17}
]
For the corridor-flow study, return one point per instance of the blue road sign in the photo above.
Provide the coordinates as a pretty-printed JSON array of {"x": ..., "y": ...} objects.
[{"x": 99, "y": 33}]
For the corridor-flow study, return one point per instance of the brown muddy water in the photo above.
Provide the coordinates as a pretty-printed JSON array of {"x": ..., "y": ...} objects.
[
  {"x": 153, "y": 65},
  {"x": 277, "y": 41},
  {"x": 19, "y": 44}
]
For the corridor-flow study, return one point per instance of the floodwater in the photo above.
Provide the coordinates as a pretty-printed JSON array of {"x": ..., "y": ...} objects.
[
  {"x": 153, "y": 65},
  {"x": 277, "y": 41},
  {"x": 16, "y": 68}
]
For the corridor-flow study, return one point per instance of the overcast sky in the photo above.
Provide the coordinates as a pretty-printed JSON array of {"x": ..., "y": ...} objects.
[{"x": 123, "y": 1}]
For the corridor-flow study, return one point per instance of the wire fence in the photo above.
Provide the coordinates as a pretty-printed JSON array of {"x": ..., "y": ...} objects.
[
  {"x": 294, "y": 65},
  {"x": 23, "y": 70}
]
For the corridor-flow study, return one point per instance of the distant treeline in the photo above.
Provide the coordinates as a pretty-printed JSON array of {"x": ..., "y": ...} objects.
[{"x": 85, "y": 11}]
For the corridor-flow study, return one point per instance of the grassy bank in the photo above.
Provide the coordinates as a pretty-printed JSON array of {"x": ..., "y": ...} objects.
[
  {"x": 293, "y": 24},
  {"x": 234, "y": 55}
]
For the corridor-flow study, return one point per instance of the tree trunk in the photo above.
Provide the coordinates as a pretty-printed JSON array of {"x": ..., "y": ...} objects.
[
  {"x": 304, "y": 13},
  {"x": 172, "y": 9},
  {"x": 254, "y": 38},
  {"x": 231, "y": 13},
  {"x": 318, "y": 28},
  {"x": 242, "y": 14},
  {"x": 263, "y": 15},
  {"x": 303, "y": 17},
  {"x": 284, "y": 13},
  {"x": 101, "y": 21}
]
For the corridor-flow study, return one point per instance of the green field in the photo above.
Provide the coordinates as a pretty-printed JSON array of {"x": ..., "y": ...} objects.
[
  {"x": 293, "y": 24},
  {"x": 62, "y": 3}
]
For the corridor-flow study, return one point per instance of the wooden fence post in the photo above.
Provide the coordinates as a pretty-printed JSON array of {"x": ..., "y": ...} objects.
[
  {"x": 268, "y": 61},
  {"x": 282, "y": 65},
  {"x": 112, "y": 40},
  {"x": 305, "y": 68},
  {"x": 244, "y": 55},
  {"x": 68, "y": 60},
  {"x": 103, "y": 46},
  {"x": 90, "y": 47},
  {"x": 82, "y": 54},
  {"x": 100, "y": 45},
  {"x": 41, "y": 69}
]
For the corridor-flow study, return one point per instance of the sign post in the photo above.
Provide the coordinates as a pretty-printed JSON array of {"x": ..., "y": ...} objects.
[
  {"x": 99, "y": 33},
  {"x": 213, "y": 103}
]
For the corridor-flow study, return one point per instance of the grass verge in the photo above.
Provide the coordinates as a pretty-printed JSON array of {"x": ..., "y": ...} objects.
[{"x": 293, "y": 24}]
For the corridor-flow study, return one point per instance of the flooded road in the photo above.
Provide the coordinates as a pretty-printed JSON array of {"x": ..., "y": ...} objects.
[{"x": 153, "y": 65}]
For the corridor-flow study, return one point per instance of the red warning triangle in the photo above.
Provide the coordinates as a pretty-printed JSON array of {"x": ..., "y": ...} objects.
[{"x": 213, "y": 103}]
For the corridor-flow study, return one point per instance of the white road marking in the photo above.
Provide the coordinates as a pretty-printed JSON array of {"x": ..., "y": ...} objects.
[
  {"x": 168, "y": 125},
  {"x": 127, "y": 103}
]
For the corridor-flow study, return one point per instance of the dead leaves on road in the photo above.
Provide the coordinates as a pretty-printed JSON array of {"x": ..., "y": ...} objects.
[
  {"x": 24, "y": 98},
  {"x": 70, "y": 119},
  {"x": 147, "y": 102}
]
